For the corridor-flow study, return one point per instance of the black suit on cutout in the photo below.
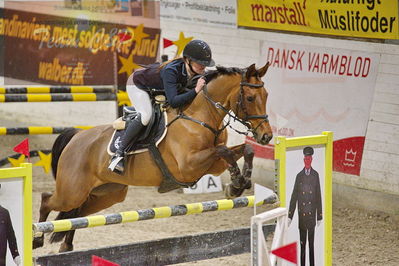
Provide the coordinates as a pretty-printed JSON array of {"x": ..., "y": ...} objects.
[
  {"x": 6, "y": 235},
  {"x": 307, "y": 194}
]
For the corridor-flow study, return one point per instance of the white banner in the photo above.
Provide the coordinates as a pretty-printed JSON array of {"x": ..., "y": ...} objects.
[
  {"x": 314, "y": 89},
  {"x": 220, "y": 13}
]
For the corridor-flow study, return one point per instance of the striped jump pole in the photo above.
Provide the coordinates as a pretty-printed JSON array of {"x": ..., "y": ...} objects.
[
  {"x": 147, "y": 214},
  {"x": 65, "y": 97},
  {"x": 36, "y": 130},
  {"x": 58, "y": 89}
]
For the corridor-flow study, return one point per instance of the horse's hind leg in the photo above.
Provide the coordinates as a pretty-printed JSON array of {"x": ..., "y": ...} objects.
[
  {"x": 67, "y": 244},
  {"x": 99, "y": 199},
  {"x": 38, "y": 239},
  {"x": 66, "y": 203}
]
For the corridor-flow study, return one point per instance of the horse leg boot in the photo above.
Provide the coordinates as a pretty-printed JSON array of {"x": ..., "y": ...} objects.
[
  {"x": 248, "y": 164},
  {"x": 236, "y": 188},
  {"x": 131, "y": 133},
  {"x": 247, "y": 151}
]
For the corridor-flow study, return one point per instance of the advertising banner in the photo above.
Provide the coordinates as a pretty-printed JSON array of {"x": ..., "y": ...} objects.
[
  {"x": 367, "y": 19},
  {"x": 219, "y": 13},
  {"x": 313, "y": 89},
  {"x": 73, "y": 51}
]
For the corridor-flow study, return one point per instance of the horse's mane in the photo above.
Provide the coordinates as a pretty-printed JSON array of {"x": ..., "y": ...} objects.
[{"x": 213, "y": 74}]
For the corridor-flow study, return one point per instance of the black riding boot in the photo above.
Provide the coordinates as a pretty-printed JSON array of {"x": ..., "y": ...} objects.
[{"x": 131, "y": 133}]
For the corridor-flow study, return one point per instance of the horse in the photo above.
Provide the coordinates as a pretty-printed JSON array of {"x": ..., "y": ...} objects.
[{"x": 193, "y": 146}]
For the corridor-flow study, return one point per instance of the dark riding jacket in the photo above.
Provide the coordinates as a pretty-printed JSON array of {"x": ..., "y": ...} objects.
[
  {"x": 172, "y": 78},
  {"x": 7, "y": 235}
]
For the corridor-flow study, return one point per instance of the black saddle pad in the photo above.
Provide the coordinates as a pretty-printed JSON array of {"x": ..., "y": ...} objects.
[{"x": 153, "y": 133}]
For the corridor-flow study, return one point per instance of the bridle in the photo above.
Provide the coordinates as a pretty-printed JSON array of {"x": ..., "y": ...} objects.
[{"x": 240, "y": 106}]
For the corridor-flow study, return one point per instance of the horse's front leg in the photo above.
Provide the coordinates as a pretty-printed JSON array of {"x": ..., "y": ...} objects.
[
  {"x": 247, "y": 151},
  {"x": 239, "y": 181}
]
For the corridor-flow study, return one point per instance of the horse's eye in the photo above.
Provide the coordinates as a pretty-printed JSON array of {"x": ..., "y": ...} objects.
[{"x": 250, "y": 99}]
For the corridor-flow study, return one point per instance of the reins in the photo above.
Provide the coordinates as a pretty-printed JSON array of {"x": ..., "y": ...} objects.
[{"x": 218, "y": 105}]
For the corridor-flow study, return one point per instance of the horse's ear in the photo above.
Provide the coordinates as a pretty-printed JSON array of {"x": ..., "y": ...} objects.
[
  {"x": 263, "y": 70},
  {"x": 251, "y": 71}
]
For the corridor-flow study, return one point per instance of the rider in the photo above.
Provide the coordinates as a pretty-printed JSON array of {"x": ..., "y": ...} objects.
[{"x": 172, "y": 77}]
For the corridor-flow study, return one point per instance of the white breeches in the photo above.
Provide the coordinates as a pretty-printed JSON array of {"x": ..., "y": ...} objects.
[{"x": 141, "y": 101}]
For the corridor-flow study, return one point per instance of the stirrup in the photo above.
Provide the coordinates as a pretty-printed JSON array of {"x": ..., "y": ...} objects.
[{"x": 116, "y": 164}]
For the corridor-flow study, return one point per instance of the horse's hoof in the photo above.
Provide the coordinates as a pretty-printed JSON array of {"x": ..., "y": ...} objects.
[
  {"x": 232, "y": 192},
  {"x": 66, "y": 247},
  {"x": 248, "y": 185},
  {"x": 38, "y": 242}
]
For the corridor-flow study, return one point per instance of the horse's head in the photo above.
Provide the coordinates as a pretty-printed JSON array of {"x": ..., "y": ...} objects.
[
  {"x": 251, "y": 103},
  {"x": 243, "y": 92}
]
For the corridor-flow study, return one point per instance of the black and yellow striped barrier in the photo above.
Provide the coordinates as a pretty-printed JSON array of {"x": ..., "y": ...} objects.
[
  {"x": 36, "y": 130},
  {"x": 64, "y": 97},
  {"x": 55, "y": 89},
  {"x": 147, "y": 214}
]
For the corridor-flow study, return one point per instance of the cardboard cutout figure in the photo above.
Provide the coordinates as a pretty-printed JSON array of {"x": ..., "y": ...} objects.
[
  {"x": 7, "y": 235},
  {"x": 307, "y": 195}
]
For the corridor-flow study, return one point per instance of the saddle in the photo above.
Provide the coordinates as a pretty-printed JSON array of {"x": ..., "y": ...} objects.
[{"x": 154, "y": 132}]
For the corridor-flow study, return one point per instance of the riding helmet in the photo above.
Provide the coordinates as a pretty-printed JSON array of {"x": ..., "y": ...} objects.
[{"x": 200, "y": 52}]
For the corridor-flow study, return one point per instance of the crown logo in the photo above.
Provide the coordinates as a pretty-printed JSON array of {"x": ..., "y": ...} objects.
[{"x": 350, "y": 157}]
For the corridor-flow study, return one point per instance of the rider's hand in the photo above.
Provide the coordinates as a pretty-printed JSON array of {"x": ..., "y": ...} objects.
[{"x": 200, "y": 85}]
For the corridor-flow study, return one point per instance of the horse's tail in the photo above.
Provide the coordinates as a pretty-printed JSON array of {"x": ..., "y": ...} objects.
[
  {"x": 60, "y": 143},
  {"x": 58, "y": 236}
]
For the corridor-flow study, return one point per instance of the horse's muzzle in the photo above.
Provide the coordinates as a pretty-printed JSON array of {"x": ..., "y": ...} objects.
[{"x": 265, "y": 139}]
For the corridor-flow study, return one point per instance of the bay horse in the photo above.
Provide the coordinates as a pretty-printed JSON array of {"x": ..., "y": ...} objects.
[{"x": 190, "y": 149}]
